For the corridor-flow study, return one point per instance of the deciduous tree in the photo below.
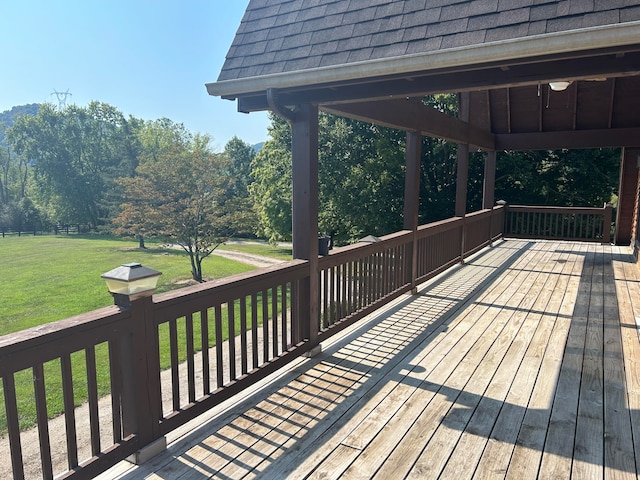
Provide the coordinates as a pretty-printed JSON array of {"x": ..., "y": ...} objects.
[
  {"x": 179, "y": 195},
  {"x": 77, "y": 154}
]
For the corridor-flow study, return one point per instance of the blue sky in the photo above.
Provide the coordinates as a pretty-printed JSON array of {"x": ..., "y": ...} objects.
[{"x": 149, "y": 59}]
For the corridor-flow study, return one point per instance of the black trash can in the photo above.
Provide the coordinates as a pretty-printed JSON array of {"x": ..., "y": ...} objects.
[{"x": 324, "y": 245}]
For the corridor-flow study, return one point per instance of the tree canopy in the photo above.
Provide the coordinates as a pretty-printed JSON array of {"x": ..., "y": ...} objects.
[
  {"x": 77, "y": 153},
  {"x": 361, "y": 177},
  {"x": 178, "y": 193},
  {"x": 93, "y": 166}
]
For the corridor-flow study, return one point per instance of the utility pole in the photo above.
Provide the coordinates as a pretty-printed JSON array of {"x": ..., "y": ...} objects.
[{"x": 62, "y": 98}]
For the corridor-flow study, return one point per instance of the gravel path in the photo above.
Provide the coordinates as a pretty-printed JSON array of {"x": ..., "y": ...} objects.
[{"x": 248, "y": 258}]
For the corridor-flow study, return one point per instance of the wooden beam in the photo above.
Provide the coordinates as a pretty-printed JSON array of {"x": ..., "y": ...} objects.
[
  {"x": 615, "y": 137},
  {"x": 412, "y": 180},
  {"x": 304, "y": 150},
  {"x": 405, "y": 114},
  {"x": 489, "y": 184},
  {"x": 412, "y": 197},
  {"x": 627, "y": 196},
  {"x": 462, "y": 178}
]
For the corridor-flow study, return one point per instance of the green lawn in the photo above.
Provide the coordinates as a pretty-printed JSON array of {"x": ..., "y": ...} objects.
[{"x": 49, "y": 278}]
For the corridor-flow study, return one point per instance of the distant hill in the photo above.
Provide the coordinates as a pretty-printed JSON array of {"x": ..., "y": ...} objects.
[
  {"x": 258, "y": 146},
  {"x": 9, "y": 116}
]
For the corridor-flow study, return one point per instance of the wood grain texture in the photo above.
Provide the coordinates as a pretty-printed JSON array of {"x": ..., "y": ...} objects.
[{"x": 522, "y": 363}]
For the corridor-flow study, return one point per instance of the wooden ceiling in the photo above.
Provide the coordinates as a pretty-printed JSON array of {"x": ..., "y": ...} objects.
[
  {"x": 595, "y": 112},
  {"x": 511, "y": 107}
]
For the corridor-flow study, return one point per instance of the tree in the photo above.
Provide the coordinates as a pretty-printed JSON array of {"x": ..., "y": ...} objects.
[
  {"x": 271, "y": 186},
  {"x": 77, "y": 154},
  {"x": 240, "y": 155},
  {"x": 558, "y": 177},
  {"x": 179, "y": 195},
  {"x": 17, "y": 211}
]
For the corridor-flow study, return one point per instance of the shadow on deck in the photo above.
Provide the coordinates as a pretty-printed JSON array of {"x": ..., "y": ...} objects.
[{"x": 517, "y": 364}]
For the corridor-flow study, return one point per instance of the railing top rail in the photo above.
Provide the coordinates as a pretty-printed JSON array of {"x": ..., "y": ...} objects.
[
  {"x": 51, "y": 340},
  {"x": 362, "y": 249},
  {"x": 233, "y": 286},
  {"x": 480, "y": 214},
  {"x": 551, "y": 209},
  {"x": 434, "y": 228}
]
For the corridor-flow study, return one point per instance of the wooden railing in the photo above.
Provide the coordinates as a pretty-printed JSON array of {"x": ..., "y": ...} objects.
[
  {"x": 245, "y": 328},
  {"x": 40, "y": 359},
  {"x": 560, "y": 223},
  {"x": 143, "y": 369},
  {"x": 358, "y": 279}
]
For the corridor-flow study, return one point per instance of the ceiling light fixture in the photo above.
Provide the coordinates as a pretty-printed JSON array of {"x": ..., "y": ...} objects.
[{"x": 559, "y": 86}]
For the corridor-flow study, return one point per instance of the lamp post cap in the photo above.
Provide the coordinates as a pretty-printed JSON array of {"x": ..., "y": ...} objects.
[{"x": 128, "y": 272}]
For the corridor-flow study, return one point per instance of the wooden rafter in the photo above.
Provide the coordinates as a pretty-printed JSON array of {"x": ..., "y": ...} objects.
[
  {"x": 408, "y": 115},
  {"x": 614, "y": 137}
]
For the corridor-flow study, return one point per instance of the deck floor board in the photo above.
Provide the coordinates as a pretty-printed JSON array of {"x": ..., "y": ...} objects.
[{"x": 522, "y": 363}]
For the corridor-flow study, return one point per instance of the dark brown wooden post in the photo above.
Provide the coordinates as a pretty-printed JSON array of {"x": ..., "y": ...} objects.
[
  {"x": 461, "y": 192},
  {"x": 627, "y": 196},
  {"x": 304, "y": 149},
  {"x": 141, "y": 393},
  {"x": 489, "y": 185},
  {"x": 488, "y": 189},
  {"x": 462, "y": 178},
  {"x": 412, "y": 198},
  {"x": 606, "y": 223}
]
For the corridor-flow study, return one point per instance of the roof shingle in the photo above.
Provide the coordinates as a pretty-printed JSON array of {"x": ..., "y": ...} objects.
[{"x": 278, "y": 36}]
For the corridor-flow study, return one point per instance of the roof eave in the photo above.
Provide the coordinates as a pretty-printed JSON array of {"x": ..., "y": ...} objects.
[{"x": 592, "y": 38}]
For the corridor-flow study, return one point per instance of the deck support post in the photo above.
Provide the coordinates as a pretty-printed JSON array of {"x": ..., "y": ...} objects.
[
  {"x": 304, "y": 149},
  {"x": 141, "y": 392},
  {"x": 462, "y": 176},
  {"x": 462, "y": 179},
  {"x": 488, "y": 189},
  {"x": 606, "y": 224},
  {"x": 412, "y": 199},
  {"x": 627, "y": 211},
  {"x": 489, "y": 184}
]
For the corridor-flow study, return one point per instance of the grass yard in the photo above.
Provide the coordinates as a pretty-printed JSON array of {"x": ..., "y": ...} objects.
[{"x": 49, "y": 278}]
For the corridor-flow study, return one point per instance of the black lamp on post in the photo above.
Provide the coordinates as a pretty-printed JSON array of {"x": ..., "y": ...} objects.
[
  {"x": 132, "y": 286},
  {"x": 131, "y": 281}
]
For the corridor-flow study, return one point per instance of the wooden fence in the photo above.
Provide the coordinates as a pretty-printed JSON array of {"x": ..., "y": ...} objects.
[{"x": 59, "y": 229}]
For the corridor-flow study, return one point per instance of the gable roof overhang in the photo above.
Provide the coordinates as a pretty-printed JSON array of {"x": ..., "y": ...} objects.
[{"x": 511, "y": 105}]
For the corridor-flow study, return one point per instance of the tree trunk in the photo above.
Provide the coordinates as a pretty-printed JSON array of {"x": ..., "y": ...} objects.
[
  {"x": 141, "y": 241},
  {"x": 196, "y": 267}
]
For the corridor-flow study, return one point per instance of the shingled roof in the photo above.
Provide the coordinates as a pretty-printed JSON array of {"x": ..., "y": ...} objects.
[
  {"x": 279, "y": 36},
  {"x": 374, "y": 60}
]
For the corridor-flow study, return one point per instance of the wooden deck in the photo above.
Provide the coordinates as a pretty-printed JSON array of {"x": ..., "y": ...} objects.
[{"x": 522, "y": 363}]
